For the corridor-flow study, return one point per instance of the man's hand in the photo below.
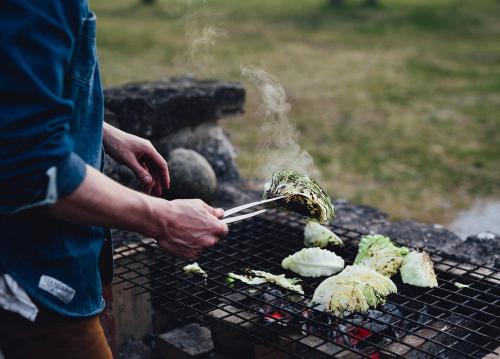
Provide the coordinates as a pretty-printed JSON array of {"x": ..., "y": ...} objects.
[
  {"x": 183, "y": 227},
  {"x": 187, "y": 227},
  {"x": 140, "y": 156}
]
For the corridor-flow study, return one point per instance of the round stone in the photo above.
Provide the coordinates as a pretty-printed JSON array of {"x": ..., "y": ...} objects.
[{"x": 191, "y": 175}]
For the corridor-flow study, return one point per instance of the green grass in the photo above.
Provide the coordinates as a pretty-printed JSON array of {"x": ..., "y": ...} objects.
[{"x": 399, "y": 105}]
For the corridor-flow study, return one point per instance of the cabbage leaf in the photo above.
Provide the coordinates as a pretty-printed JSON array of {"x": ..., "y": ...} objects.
[
  {"x": 418, "y": 270},
  {"x": 256, "y": 277},
  {"x": 313, "y": 262},
  {"x": 280, "y": 280},
  {"x": 317, "y": 235},
  {"x": 194, "y": 268},
  {"x": 245, "y": 279}
]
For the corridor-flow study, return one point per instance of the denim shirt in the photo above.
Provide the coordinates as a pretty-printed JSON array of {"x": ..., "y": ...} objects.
[{"x": 51, "y": 118}]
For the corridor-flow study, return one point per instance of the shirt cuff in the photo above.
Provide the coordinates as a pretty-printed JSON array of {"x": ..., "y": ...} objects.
[
  {"x": 44, "y": 189},
  {"x": 69, "y": 175}
]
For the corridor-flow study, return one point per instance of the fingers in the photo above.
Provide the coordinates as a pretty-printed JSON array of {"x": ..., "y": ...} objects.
[
  {"x": 148, "y": 187},
  {"x": 165, "y": 176},
  {"x": 161, "y": 167},
  {"x": 157, "y": 190},
  {"x": 221, "y": 229},
  {"x": 217, "y": 212},
  {"x": 142, "y": 174}
]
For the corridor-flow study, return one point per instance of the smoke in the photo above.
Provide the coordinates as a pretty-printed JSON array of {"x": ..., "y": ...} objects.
[
  {"x": 278, "y": 138},
  {"x": 201, "y": 38}
]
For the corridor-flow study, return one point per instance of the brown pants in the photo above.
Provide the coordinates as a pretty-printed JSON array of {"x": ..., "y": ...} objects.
[{"x": 52, "y": 336}]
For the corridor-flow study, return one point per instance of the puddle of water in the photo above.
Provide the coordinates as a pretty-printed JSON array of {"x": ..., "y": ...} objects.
[{"x": 482, "y": 216}]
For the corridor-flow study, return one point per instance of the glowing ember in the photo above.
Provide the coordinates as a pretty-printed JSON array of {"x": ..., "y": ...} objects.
[
  {"x": 274, "y": 316},
  {"x": 359, "y": 333}
]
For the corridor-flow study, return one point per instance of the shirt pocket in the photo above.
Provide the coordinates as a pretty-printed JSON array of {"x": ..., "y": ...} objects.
[{"x": 85, "y": 53}]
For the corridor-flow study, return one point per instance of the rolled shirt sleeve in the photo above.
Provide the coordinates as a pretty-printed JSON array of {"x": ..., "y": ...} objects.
[{"x": 37, "y": 164}]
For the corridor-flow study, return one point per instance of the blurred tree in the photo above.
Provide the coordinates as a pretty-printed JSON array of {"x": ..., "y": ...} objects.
[{"x": 148, "y": 2}]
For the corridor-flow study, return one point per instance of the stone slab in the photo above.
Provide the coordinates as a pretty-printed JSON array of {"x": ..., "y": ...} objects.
[
  {"x": 156, "y": 109},
  {"x": 190, "y": 341}
]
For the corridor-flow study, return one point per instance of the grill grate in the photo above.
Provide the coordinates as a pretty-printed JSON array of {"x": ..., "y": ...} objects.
[{"x": 435, "y": 323}]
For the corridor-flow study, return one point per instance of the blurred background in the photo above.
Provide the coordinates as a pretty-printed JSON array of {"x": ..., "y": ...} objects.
[{"x": 397, "y": 101}]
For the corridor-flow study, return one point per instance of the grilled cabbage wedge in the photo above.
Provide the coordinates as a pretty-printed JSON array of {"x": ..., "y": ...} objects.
[
  {"x": 379, "y": 253},
  {"x": 313, "y": 262},
  {"x": 375, "y": 286},
  {"x": 355, "y": 289},
  {"x": 302, "y": 195},
  {"x": 337, "y": 295},
  {"x": 418, "y": 270},
  {"x": 317, "y": 235}
]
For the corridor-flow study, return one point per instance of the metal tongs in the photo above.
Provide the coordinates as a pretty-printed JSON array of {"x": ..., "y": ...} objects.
[{"x": 268, "y": 202}]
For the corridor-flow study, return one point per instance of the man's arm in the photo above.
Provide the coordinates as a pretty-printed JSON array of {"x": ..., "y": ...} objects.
[
  {"x": 38, "y": 167},
  {"x": 184, "y": 227},
  {"x": 37, "y": 164}
]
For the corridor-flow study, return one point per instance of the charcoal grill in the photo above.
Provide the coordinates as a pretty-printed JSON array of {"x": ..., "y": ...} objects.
[{"x": 441, "y": 322}]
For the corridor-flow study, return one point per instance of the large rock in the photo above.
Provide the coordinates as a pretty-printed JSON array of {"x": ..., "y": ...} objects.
[
  {"x": 191, "y": 176},
  {"x": 430, "y": 236},
  {"x": 209, "y": 140},
  {"x": 364, "y": 219},
  {"x": 481, "y": 249},
  {"x": 157, "y": 109}
]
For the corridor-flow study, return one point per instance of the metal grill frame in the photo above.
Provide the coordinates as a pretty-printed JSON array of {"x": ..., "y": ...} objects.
[{"x": 262, "y": 242}]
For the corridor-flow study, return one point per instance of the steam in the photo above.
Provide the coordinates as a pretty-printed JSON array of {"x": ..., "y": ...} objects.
[
  {"x": 202, "y": 38},
  {"x": 278, "y": 137}
]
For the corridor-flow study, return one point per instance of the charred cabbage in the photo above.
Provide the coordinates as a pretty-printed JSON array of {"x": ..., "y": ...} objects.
[
  {"x": 418, "y": 270},
  {"x": 313, "y": 262},
  {"x": 355, "y": 289},
  {"x": 302, "y": 195},
  {"x": 337, "y": 295},
  {"x": 317, "y": 235},
  {"x": 379, "y": 253},
  {"x": 375, "y": 286}
]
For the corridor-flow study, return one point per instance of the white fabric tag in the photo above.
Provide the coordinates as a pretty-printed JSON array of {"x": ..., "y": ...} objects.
[
  {"x": 14, "y": 299},
  {"x": 57, "y": 288}
]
